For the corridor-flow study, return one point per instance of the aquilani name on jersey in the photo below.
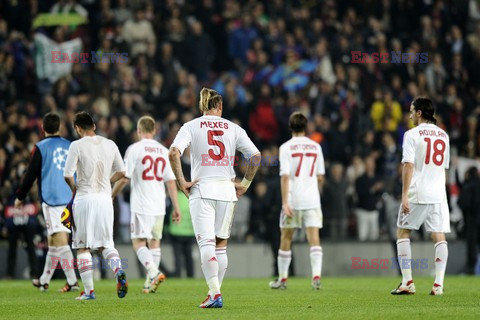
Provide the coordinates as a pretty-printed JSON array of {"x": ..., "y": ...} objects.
[
  {"x": 214, "y": 124},
  {"x": 432, "y": 133},
  {"x": 298, "y": 147}
]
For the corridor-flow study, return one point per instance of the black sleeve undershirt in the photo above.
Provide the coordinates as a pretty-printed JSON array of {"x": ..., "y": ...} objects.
[{"x": 34, "y": 171}]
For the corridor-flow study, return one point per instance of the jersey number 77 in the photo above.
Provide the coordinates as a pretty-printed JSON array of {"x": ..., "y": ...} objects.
[{"x": 301, "y": 155}]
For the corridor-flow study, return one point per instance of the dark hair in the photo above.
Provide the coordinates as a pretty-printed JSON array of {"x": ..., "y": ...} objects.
[
  {"x": 297, "y": 122},
  {"x": 84, "y": 120},
  {"x": 426, "y": 106},
  {"x": 51, "y": 123}
]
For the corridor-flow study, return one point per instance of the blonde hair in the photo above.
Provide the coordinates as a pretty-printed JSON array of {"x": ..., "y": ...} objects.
[
  {"x": 209, "y": 99},
  {"x": 146, "y": 124}
]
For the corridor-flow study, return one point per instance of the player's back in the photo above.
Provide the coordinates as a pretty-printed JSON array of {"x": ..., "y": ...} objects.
[
  {"x": 429, "y": 148},
  {"x": 147, "y": 166},
  {"x": 302, "y": 159},
  {"x": 54, "y": 151},
  {"x": 96, "y": 156},
  {"x": 213, "y": 142}
]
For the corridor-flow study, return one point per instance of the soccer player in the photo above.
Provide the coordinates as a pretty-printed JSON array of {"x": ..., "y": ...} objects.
[
  {"x": 302, "y": 170},
  {"x": 426, "y": 156},
  {"x": 148, "y": 168},
  {"x": 47, "y": 165},
  {"x": 98, "y": 163},
  {"x": 212, "y": 194}
]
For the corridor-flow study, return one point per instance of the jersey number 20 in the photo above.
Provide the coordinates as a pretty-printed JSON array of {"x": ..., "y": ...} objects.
[
  {"x": 152, "y": 164},
  {"x": 438, "y": 151}
]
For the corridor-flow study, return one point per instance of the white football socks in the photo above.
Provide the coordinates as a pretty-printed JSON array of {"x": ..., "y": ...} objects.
[
  {"x": 145, "y": 256},
  {"x": 209, "y": 265},
  {"x": 156, "y": 254},
  {"x": 65, "y": 253},
  {"x": 222, "y": 258},
  {"x": 50, "y": 265},
  {"x": 283, "y": 260},
  {"x": 316, "y": 255},
  {"x": 85, "y": 268},
  {"x": 405, "y": 260},
  {"x": 112, "y": 258},
  {"x": 441, "y": 257}
]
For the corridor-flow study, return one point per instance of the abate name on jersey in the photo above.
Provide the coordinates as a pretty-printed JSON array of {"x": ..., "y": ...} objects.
[{"x": 153, "y": 150}]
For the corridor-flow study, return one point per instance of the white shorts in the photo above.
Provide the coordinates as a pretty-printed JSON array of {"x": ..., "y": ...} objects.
[
  {"x": 93, "y": 217},
  {"x": 144, "y": 226},
  {"x": 436, "y": 217},
  {"x": 309, "y": 218},
  {"x": 53, "y": 219},
  {"x": 211, "y": 218}
]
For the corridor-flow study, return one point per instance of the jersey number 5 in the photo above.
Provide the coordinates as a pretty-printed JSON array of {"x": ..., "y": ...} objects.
[
  {"x": 213, "y": 142},
  {"x": 438, "y": 151},
  {"x": 153, "y": 164}
]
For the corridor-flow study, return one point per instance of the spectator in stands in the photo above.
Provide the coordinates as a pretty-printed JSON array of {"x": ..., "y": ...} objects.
[
  {"x": 469, "y": 202},
  {"x": 334, "y": 202},
  {"x": 369, "y": 188},
  {"x": 138, "y": 33}
]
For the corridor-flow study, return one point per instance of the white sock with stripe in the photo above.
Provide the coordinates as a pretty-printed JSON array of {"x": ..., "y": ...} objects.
[
  {"x": 85, "y": 268},
  {"x": 441, "y": 257},
  {"x": 112, "y": 258},
  {"x": 284, "y": 258},
  {"x": 209, "y": 265},
  {"x": 145, "y": 256},
  {"x": 222, "y": 258},
  {"x": 157, "y": 255},
  {"x": 51, "y": 263},
  {"x": 316, "y": 256},
  {"x": 65, "y": 253},
  {"x": 405, "y": 260}
]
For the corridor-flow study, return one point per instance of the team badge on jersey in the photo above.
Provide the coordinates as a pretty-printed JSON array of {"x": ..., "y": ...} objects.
[{"x": 59, "y": 158}]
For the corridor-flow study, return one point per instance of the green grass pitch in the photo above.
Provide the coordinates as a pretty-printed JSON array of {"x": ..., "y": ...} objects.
[{"x": 340, "y": 298}]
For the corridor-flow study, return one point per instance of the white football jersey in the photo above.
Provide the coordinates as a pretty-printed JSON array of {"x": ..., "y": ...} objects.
[
  {"x": 213, "y": 141},
  {"x": 148, "y": 168},
  {"x": 428, "y": 148},
  {"x": 301, "y": 158},
  {"x": 95, "y": 159}
]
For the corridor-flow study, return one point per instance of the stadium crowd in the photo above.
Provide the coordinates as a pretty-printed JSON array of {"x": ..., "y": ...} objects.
[{"x": 267, "y": 59}]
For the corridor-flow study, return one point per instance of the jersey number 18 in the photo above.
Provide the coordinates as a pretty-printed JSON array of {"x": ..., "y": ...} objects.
[{"x": 438, "y": 151}]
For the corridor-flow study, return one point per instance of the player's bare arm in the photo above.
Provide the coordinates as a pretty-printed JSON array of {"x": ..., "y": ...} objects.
[
  {"x": 320, "y": 182},
  {"x": 71, "y": 183},
  {"x": 285, "y": 186},
  {"x": 172, "y": 193},
  {"x": 253, "y": 165},
  {"x": 407, "y": 173},
  {"x": 117, "y": 176},
  {"x": 174, "y": 157},
  {"x": 119, "y": 185}
]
